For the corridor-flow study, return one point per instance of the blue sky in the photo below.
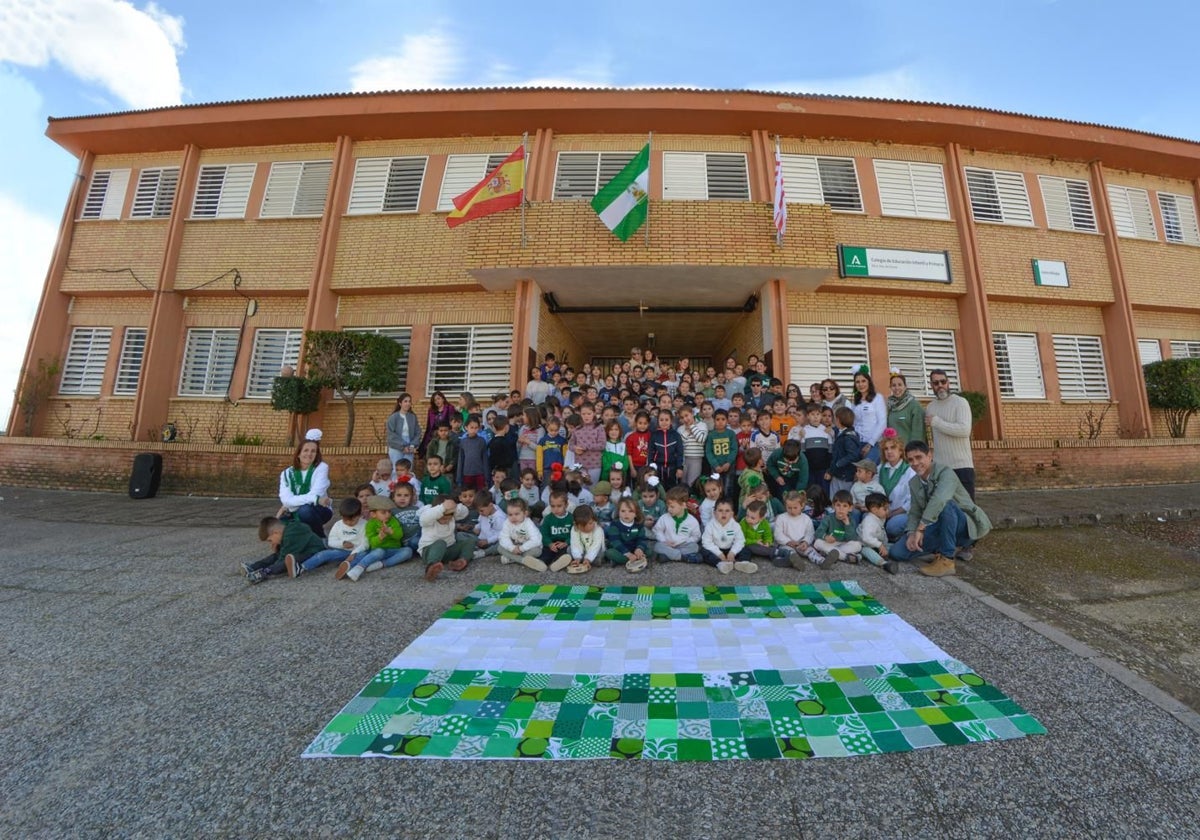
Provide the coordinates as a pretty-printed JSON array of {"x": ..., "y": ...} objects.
[{"x": 1114, "y": 63}]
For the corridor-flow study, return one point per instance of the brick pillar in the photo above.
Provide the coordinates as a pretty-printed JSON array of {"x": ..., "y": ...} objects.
[
  {"x": 977, "y": 365},
  {"x": 525, "y": 309},
  {"x": 164, "y": 334},
  {"x": 48, "y": 337},
  {"x": 1125, "y": 379}
]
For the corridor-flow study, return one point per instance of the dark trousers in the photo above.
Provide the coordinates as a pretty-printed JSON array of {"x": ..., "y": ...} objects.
[{"x": 966, "y": 477}]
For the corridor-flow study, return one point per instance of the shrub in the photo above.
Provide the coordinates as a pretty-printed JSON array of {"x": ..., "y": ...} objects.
[{"x": 1174, "y": 386}]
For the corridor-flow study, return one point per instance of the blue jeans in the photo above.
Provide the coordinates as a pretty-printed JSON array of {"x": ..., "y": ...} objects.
[
  {"x": 386, "y": 556},
  {"x": 329, "y": 555},
  {"x": 943, "y": 536},
  {"x": 315, "y": 517},
  {"x": 895, "y": 525}
]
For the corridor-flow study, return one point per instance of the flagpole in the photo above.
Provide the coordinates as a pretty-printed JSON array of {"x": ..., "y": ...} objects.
[
  {"x": 524, "y": 182},
  {"x": 649, "y": 140}
]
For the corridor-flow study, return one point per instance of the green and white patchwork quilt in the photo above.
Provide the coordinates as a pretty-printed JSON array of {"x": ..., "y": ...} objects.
[{"x": 669, "y": 673}]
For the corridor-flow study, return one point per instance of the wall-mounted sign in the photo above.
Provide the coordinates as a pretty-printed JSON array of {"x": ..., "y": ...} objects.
[
  {"x": 893, "y": 264},
  {"x": 1050, "y": 273}
]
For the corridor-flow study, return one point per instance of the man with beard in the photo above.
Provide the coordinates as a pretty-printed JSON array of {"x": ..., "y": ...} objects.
[{"x": 949, "y": 418}]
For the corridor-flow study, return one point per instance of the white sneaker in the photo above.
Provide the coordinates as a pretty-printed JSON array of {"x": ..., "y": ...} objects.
[
  {"x": 374, "y": 567},
  {"x": 505, "y": 560},
  {"x": 532, "y": 562},
  {"x": 724, "y": 567},
  {"x": 746, "y": 566},
  {"x": 561, "y": 563},
  {"x": 479, "y": 554},
  {"x": 355, "y": 572}
]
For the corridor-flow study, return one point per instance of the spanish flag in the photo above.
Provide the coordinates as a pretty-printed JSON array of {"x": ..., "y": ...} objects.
[{"x": 501, "y": 189}]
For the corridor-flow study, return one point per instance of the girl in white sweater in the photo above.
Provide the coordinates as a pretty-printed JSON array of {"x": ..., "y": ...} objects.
[{"x": 794, "y": 531}]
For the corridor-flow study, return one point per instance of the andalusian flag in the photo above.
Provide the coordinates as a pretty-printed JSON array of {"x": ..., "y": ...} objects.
[
  {"x": 501, "y": 189},
  {"x": 622, "y": 202}
]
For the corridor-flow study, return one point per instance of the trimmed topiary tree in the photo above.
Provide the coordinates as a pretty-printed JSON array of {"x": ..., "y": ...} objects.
[
  {"x": 297, "y": 396},
  {"x": 1173, "y": 385},
  {"x": 978, "y": 402},
  {"x": 350, "y": 362}
]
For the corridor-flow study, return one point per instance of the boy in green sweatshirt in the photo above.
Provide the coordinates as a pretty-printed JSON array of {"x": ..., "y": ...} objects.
[
  {"x": 556, "y": 533},
  {"x": 285, "y": 536}
]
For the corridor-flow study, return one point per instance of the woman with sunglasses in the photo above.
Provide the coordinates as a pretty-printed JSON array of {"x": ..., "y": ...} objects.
[{"x": 831, "y": 395}]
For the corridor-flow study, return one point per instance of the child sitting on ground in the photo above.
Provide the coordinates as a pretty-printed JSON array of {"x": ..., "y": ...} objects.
[
  {"x": 408, "y": 514},
  {"x": 587, "y": 541},
  {"x": 490, "y": 522},
  {"x": 556, "y": 531},
  {"x": 618, "y": 481},
  {"x": 287, "y": 537},
  {"x": 759, "y": 540},
  {"x": 865, "y": 484},
  {"x": 712, "y": 494},
  {"x": 794, "y": 531},
  {"x": 677, "y": 533},
  {"x": 347, "y": 539},
  {"x": 626, "y": 538},
  {"x": 381, "y": 479},
  {"x": 723, "y": 541},
  {"x": 520, "y": 540},
  {"x": 435, "y": 483},
  {"x": 404, "y": 475},
  {"x": 837, "y": 538},
  {"x": 530, "y": 492},
  {"x": 465, "y": 496},
  {"x": 438, "y": 547},
  {"x": 872, "y": 532},
  {"x": 385, "y": 537}
]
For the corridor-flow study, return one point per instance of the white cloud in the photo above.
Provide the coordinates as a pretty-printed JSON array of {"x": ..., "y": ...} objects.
[
  {"x": 130, "y": 52},
  {"x": 900, "y": 83},
  {"x": 27, "y": 239},
  {"x": 427, "y": 60}
]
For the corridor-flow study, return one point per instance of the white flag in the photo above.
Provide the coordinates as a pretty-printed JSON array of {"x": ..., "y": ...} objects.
[{"x": 780, "y": 203}]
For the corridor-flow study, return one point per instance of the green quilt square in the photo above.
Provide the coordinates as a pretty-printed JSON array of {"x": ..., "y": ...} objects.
[
  {"x": 475, "y": 692},
  {"x": 843, "y": 675},
  {"x": 689, "y": 680},
  {"x": 573, "y": 711},
  {"x": 660, "y": 711},
  {"x": 959, "y": 713},
  {"x": 598, "y": 728},
  {"x": 500, "y": 746},
  {"x": 375, "y": 689},
  {"x": 567, "y": 728},
  {"x": 726, "y": 729},
  {"x": 865, "y": 703},
  {"x": 948, "y": 733},
  {"x": 891, "y": 741},
  {"x": 757, "y": 728},
  {"x": 354, "y": 745},
  {"x": 762, "y": 748},
  {"x": 511, "y": 679},
  {"x": 660, "y": 729},
  {"x": 440, "y": 746},
  {"x": 690, "y": 749},
  {"x": 662, "y": 680},
  {"x": 635, "y": 695},
  {"x": 482, "y": 726},
  {"x": 344, "y": 723},
  {"x": 538, "y": 729},
  {"x": 877, "y": 721},
  {"x": 820, "y": 726},
  {"x": 902, "y": 684},
  {"x": 553, "y": 695},
  {"x": 692, "y": 710},
  {"x": 1028, "y": 725},
  {"x": 766, "y": 677},
  {"x": 933, "y": 716},
  {"x": 828, "y": 691}
]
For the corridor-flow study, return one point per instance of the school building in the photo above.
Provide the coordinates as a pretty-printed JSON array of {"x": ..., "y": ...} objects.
[{"x": 1039, "y": 261}]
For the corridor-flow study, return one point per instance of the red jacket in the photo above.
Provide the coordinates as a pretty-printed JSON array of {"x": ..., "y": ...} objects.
[{"x": 637, "y": 447}]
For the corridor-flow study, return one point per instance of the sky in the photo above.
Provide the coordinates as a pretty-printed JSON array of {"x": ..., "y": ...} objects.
[{"x": 1098, "y": 61}]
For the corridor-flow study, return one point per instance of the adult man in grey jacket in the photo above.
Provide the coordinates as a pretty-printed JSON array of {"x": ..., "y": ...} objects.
[{"x": 942, "y": 519}]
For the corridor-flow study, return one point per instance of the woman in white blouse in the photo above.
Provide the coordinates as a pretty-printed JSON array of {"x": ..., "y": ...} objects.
[
  {"x": 870, "y": 413},
  {"x": 304, "y": 486}
]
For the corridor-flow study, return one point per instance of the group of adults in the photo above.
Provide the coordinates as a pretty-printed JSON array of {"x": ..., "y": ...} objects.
[{"x": 942, "y": 519}]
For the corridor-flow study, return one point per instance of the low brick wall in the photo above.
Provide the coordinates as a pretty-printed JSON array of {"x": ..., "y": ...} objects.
[{"x": 55, "y": 463}]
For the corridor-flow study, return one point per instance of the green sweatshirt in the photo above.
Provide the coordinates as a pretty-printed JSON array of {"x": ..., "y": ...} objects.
[
  {"x": 299, "y": 540},
  {"x": 431, "y": 487},
  {"x": 375, "y": 540},
  {"x": 556, "y": 528},
  {"x": 759, "y": 533},
  {"x": 721, "y": 447}
]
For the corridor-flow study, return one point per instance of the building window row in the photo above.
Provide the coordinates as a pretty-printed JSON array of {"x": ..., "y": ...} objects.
[{"x": 394, "y": 185}]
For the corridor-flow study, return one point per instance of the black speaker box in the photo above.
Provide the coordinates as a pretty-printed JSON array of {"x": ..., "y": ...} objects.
[{"x": 147, "y": 473}]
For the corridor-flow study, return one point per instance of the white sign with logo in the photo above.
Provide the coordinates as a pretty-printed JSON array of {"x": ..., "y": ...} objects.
[
  {"x": 1050, "y": 273},
  {"x": 894, "y": 264}
]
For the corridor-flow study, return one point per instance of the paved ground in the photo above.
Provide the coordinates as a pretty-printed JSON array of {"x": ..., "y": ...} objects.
[{"x": 146, "y": 690}]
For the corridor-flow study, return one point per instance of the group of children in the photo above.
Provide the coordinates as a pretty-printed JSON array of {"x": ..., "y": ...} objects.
[{"x": 691, "y": 490}]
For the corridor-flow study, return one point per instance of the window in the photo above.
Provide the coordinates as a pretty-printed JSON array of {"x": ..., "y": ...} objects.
[
  {"x": 821, "y": 180},
  {"x": 272, "y": 350},
  {"x": 106, "y": 194},
  {"x": 1019, "y": 366},
  {"x": 296, "y": 188},
  {"x": 1185, "y": 349},
  {"x": 403, "y": 337},
  {"x": 475, "y": 359},
  {"x": 87, "y": 355},
  {"x": 817, "y": 353},
  {"x": 1131, "y": 212},
  {"x": 998, "y": 197},
  {"x": 222, "y": 191},
  {"x": 699, "y": 176},
  {"x": 1179, "y": 218},
  {"x": 208, "y": 359},
  {"x": 155, "y": 193},
  {"x": 387, "y": 185},
  {"x": 917, "y": 190},
  {"x": 1068, "y": 204},
  {"x": 464, "y": 172},
  {"x": 1080, "y": 363},
  {"x": 129, "y": 368},
  {"x": 916, "y": 352},
  {"x": 1149, "y": 350},
  {"x": 582, "y": 174}
]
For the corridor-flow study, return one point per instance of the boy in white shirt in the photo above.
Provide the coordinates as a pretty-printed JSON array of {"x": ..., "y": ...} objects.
[
  {"x": 794, "y": 531},
  {"x": 587, "y": 541},
  {"x": 872, "y": 533},
  {"x": 438, "y": 541},
  {"x": 865, "y": 483},
  {"x": 677, "y": 533},
  {"x": 491, "y": 521},
  {"x": 347, "y": 540},
  {"x": 520, "y": 540},
  {"x": 723, "y": 539}
]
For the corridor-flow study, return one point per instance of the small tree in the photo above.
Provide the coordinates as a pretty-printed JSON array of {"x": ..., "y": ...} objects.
[
  {"x": 36, "y": 387},
  {"x": 297, "y": 396},
  {"x": 350, "y": 362},
  {"x": 1174, "y": 386}
]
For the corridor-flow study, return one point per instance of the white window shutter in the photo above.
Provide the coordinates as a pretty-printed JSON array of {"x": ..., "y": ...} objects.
[
  {"x": 611, "y": 164},
  {"x": 914, "y": 190},
  {"x": 155, "y": 193},
  {"x": 272, "y": 350},
  {"x": 1149, "y": 350},
  {"x": 296, "y": 188},
  {"x": 405, "y": 177},
  {"x": 1131, "y": 212},
  {"x": 727, "y": 177},
  {"x": 917, "y": 352},
  {"x": 1185, "y": 349},
  {"x": 819, "y": 352},
  {"x": 129, "y": 368},
  {"x": 87, "y": 354},
  {"x": 839, "y": 184},
  {"x": 1179, "y": 218},
  {"x": 312, "y": 188},
  {"x": 685, "y": 176},
  {"x": 801, "y": 179},
  {"x": 1068, "y": 203},
  {"x": 370, "y": 185},
  {"x": 209, "y": 356},
  {"x": 1081, "y": 371},
  {"x": 223, "y": 191},
  {"x": 106, "y": 194},
  {"x": 575, "y": 175},
  {"x": 998, "y": 197},
  {"x": 470, "y": 358},
  {"x": 1019, "y": 366},
  {"x": 462, "y": 173}
]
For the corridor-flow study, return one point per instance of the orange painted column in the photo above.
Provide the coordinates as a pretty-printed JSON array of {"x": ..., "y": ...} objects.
[
  {"x": 48, "y": 337},
  {"x": 523, "y": 309},
  {"x": 321, "y": 313},
  {"x": 165, "y": 330},
  {"x": 539, "y": 167},
  {"x": 1125, "y": 379},
  {"x": 762, "y": 165},
  {"x": 977, "y": 365},
  {"x": 781, "y": 364}
]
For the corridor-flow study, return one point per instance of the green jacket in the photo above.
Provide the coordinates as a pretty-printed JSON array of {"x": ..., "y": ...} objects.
[
  {"x": 376, "y": 540},
  {"x": 759, "y": 534},
  {"x": 793, "y": 473},
  {"x": 299, "y": 540},
  {"x": 929, "y": 497},
  {"x": 907, "y": 418},
  {"x": 832, "y": 528}
]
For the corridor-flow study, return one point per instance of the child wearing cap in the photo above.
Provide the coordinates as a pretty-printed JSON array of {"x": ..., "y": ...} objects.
[
  {"x": 601, "y": 504},
  {"x": 385, "y": 537}
]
